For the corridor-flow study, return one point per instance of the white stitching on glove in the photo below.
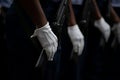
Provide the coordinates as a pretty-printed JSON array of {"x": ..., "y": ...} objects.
[
  {"x": 104, "y": 27},
  {"x": 116, "y": 31},
  {"x": 47, "y": 39},
  {"x": 77, "y": 38}
]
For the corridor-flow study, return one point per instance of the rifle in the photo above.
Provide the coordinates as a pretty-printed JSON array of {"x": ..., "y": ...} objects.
[
  {"x": 108, "y": 4},
  {"x": 85, "y": 17},
  {"x": 60, "y": 17}
]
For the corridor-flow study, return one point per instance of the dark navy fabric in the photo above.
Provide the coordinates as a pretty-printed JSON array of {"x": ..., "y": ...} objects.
[{"x": 6, "y": 3}]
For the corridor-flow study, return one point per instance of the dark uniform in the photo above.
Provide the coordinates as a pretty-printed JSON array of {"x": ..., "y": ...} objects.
[
  {"x": 4, "y": 5},
  {"x": 22, "y": 54}
]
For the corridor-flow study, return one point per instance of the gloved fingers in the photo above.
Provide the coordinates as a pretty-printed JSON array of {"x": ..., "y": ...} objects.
[
  {"x": 50, "y": 51},
  {"x": 78, "y": 50},
  {"x": 55, "y": 37},
  {"x": 107, "y": 35},
  {"x": 78, "y": 47},
  {"x": 52, "y": 47},
  {"x": 75, "y": 48},
  {"x": 116, "y": 31}
]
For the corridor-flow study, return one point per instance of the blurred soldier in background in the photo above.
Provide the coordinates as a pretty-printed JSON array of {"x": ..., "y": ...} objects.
[
  {"x": 22, "y": 54},
  {"x": 113, "y": 48},
  {"x": 110, "y": 53},
  {"x": 98, "y": 36},
  {"x": 4, "y": 6}
]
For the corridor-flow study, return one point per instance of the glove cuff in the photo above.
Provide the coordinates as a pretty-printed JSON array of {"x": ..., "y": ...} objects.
[
  {"x": 99, "y": 21},
  {"x": 74, "y": 27},
  {"x": 45, "y": 27}
]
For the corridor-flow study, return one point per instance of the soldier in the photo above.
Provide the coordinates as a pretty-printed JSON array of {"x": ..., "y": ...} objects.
[
  {"x": 112, "y": 62},
  {"x": 93, "y": 35},
  {"x": 21, "y": 52},
  {"x": 67, "y": 41},
  {"x": 4, "y": 5}
]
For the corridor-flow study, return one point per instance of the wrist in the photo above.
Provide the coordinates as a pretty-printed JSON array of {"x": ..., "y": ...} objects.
[
  {"x": 99, "y": 21},
  {"x": 97, "y": 15},
  {"x": 45, "y": 27},
  {"x": 73, "y": 27},
  {"x": 74, "y": 32}
]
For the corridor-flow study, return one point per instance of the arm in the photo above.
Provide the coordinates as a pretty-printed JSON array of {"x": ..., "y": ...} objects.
[
  {"x": 34, "y": 10},
  {"x": 95, "y": 10},
  {"x": 74, "y": 32},
  {"x": 99, "y": 22},
  {"x": 72, "y": 20},
  {"x": 113, "y": 15},
  {"x": 43, "y": 32}
]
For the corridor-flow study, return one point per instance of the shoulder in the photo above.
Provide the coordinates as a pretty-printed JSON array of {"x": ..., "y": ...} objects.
[{"x": 77, "y": 2}]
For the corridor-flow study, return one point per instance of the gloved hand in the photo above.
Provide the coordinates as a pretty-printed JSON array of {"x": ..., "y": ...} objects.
[
  {"x": 77, "y": 38},
  {"x": 47, "y": 39},
  {"x": 116, "y": 31},
  {"x": 104, "y": 27}
]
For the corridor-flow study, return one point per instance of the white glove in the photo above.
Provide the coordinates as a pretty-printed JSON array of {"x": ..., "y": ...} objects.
[
  {"x": 104, "y": 27},
  {"x": 47, "y": 39},
  {"x": 116, "y": 30},
  {"x": 77, "y": 38}
]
